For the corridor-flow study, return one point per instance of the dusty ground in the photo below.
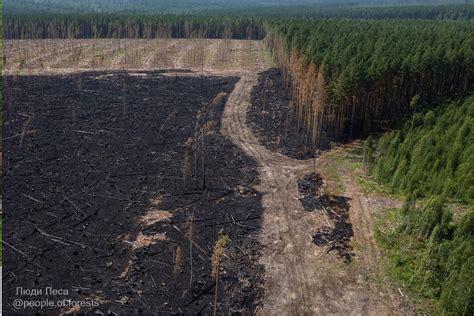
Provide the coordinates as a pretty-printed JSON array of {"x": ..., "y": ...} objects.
[
  {"x": 301, "y": 278},
  {"x": 203, "y": 55}
]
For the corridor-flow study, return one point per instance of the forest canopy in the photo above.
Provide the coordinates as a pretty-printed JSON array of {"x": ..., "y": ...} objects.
[
  {"x": 433, "y": 154},
  {"x": 439, "y": 12},
  {"x": 429, "y": 243},
  {"x": 131, "y": 26},
  {"x": 348, "y": 76},
  {"x": 430, "y": 252},
  {"x": 297, "y": 8}
]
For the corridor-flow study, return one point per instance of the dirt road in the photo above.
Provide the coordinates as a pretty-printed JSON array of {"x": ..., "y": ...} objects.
[{"x": 300, "y": 278}]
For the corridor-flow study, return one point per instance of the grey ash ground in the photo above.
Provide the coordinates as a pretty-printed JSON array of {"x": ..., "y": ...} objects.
[{"x": 87, "y": 155}]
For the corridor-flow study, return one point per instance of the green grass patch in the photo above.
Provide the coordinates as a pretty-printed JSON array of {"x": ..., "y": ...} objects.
[
  {"x": 369, "y": 185},
  {"x": 429, "y": 256},
  {"x": 335, "y": 184},
  {"x": 402, "y": 257}
]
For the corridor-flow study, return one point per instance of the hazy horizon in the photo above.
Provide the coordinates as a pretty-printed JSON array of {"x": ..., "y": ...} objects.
[{"x": 188, "y": 6}]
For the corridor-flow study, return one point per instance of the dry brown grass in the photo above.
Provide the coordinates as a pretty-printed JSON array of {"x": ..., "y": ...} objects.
[
  {"x": 143, "y": 240},
  {"x": 219, "y": 248},
  {"x": 154, "y": 216}
]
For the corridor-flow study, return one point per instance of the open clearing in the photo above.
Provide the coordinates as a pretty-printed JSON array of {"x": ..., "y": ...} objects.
[
  {"x": 94, "y": 171},
  {"x": 203, "y": 55}
]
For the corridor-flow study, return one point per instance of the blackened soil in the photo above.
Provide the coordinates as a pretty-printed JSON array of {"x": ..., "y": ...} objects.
[
  {"x": 337, "y": 235},
  {"x": 86, "y": 155},
  {"x": 271, "y": 118}
]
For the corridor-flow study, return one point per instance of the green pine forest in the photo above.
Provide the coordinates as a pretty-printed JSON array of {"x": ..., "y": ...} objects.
[
  {"x": 346, "y": 76},
  {"x": 430, "y": 241},
  {"x": 430, "y": 251},
  {"x": 299, "y": 8},
  {"x": 26, "y": 26},
  {"x": 433, "y": 154},
  {"x": 401, "y": 76},
  {"x": 444, "y": 12}
]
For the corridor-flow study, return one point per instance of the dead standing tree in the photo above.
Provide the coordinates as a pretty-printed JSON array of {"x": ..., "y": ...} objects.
[
  {"x": 186, "y": 168},
  {"x": 199, "y": 153},
  {"x": 124, "y": 98},
  {"x": 204, "y": 125}
]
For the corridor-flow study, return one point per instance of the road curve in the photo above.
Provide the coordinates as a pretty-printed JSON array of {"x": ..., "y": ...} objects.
[{"x": 297, "y": 280}]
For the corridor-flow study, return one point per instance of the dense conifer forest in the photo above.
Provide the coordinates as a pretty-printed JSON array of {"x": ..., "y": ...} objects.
[
  {"x": 431, "y": 252},
  {"x": 431, "y": 155},
  {"x": 444, "y": 12},
  {"x": 130, "y": 26},
  {"x": 430, "y": 241},
  {"x": 347, "y": 76}
]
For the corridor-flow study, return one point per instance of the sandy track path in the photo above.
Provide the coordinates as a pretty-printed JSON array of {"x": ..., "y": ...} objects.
[
  {"x": 298, "y": 280},
  {"x": 288, "y": 283}
]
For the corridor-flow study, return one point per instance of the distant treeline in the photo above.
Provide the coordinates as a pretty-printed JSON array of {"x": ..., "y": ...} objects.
[
  {"x": 116, "y": 6},
  {"x": 445, "y": 12},
  {"x": 314, "y": 8},
  {"x": 130, "y": 26}
]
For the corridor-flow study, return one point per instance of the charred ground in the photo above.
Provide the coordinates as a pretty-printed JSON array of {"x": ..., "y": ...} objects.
[
  {"x": 108, "y": 214},
  {"x": 338, "y": 233}
]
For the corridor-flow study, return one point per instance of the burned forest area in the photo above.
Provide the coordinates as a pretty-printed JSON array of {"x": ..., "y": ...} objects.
[
  {"x": 266, "y": 161},
  {"x": 274, "y": 122},
  {"x": 126, "y": 193},
  {"x": 272, "y": 119}
]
